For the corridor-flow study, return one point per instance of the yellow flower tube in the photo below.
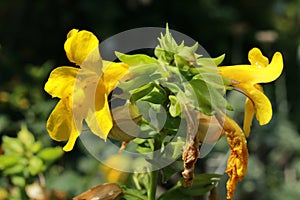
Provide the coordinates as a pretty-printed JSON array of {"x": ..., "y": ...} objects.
[{"x": 248, "y": 77}]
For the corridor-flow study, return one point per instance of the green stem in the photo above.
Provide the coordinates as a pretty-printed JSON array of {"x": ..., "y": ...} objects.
[
  {"x": 154, "y": 174},
  {"x": 153, "y": 185}
]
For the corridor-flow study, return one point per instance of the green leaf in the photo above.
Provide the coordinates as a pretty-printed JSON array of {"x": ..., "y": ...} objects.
[
  {"x": 35, "y": 165},
  {"x": 133, "y": 194},
  {"x": 139, "y": 81},
  {"x": 203, "y": 103},
  {"x": 25, "y": 136},
  {"x": 170, "y": 170},
  {"x": 50, "y": 154},
  {"x": 8, "y": 161},
  {"x": 35, "y": 147},
  {"x": 144, "y": 149},
  {"x": 19, "y": 181},
  {"x": 145, "y": 69},
  {"x": 202, "y": 184},
  {"x": 12, "y": 145},
  {"x": 218, "y": 60},
  {"x": 164, "y": 55},
  {"x": 213, "y": 79},
  {"x": 180, "y": 61},
  {"x": 174, "y": 109},
  {"x": 178, "y": 145},
  {"x": 175, "y": 194},
  {"x": 186, "y": 55},
  {"x": 212, "y": 62},
  {"x": 14, "y": 169},
  {"x": 134, "y": 60},
  {"x": 157, "y": 95},
  {"x": 173, "y": 87},
  {"x": 134, "y": 83},
  {"x": 209, "y": 98},
  {"x": 138, "y": 93},
  {"x": 217, "y": 88}
]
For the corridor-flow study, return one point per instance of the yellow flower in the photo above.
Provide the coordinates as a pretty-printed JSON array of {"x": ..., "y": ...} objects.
[
  {"x": 247, "y": 77},
  {"x": 83, "y": 91}
]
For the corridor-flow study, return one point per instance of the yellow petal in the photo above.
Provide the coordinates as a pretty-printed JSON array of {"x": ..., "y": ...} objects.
[
  {"x": 112, "y": 73},
  {"x": 60, "y": 124},
  {"x": 72, "y": 33},
  {"x": 100, "y": 121},
  {"x": 99, "y": 118},
  {"x": 248, "y": 116},
  {"x": 61, "y": 82},
  {"x": 261, "y": 102},
  {"x": 252, "y": 73},
  {"x": 79, "y": 45},
  {"x": 257, "y": 59}
]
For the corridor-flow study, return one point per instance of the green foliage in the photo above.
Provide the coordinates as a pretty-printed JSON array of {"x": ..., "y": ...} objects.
[
  {"x": 202, "y": 184},
  {"x": 174, "y": 108},
  {"x": 24, "y": 158},
  {"x": 133, "y": 194},
  {"x": 178, "y": 76}
]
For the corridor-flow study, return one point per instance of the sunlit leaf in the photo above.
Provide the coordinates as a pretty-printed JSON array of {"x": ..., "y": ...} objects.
[
  {"x": 141, "y": 92},
  {"x": 26, "y": 136},
  {"x": 134, "y": 60},
  {"x": 35, "y": 165},
  {"x": 175, "y": 109},
  {"x": 35, "y": 147},
  {"x": 135, "y": 83},
  {"x": 50, "y": 154},
  {"x": 19, "y": 181},
  {"x": 211, "y": 61},
  {"x": 15, "y": 169},
  {"x": 8, "y": 161},
  {"x": 12, "y": 145}
]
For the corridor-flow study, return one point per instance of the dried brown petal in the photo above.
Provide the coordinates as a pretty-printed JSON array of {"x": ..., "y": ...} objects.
[{"x": 238, "y": 159}]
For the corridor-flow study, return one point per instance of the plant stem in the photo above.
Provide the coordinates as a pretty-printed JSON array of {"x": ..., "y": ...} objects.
[
  {"x": 153, "y": 185},
  {"x": 154, "y": 174}
]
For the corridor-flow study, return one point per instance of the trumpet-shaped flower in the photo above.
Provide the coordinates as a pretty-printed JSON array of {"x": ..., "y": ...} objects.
[
  {"x": 247, "y": 77},
  {"x": 83, "y": 91}
]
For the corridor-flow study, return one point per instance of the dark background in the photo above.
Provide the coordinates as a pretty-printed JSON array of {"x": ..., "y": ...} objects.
[{"x": 32, "y": 34}]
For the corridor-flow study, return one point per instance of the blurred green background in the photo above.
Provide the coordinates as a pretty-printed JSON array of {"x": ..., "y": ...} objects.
[{"x": 32, "y": 34}]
